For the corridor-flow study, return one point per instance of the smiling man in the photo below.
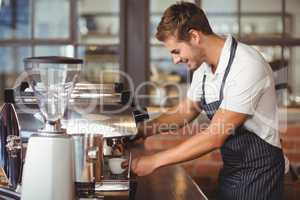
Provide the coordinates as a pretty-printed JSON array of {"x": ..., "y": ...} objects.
[{"x": 233, "y": 84}]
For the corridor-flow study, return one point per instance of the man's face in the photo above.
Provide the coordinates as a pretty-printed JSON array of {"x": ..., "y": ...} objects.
[{"x": 185, "y": 52}]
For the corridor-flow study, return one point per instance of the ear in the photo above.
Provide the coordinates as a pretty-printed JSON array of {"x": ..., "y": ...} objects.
[{"x": 195, "y": 36}]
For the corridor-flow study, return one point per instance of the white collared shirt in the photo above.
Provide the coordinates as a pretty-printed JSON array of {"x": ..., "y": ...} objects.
[{"x": 249, "y": 89}]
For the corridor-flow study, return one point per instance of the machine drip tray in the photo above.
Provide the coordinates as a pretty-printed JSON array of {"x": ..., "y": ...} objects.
[
  {"x": 112, "y": 189},
  {"x": 112, "y": 185}
]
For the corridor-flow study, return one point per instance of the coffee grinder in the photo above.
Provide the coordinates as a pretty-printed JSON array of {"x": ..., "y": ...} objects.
[{"x": 49, "y": 164}]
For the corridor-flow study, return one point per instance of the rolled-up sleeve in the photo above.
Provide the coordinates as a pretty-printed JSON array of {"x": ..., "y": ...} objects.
[{"x": 194, "y": 92}]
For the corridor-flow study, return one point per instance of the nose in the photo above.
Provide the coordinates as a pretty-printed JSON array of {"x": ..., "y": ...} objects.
[{"x": 176, "y": 59}]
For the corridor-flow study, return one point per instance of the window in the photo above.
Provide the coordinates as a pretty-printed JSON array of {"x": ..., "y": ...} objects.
[{"x": 88, "y": 29}]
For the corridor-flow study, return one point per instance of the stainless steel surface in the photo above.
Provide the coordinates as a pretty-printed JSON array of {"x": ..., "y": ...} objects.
[
  {"x": 84, "y": 98},
  {"x": 107, "y": 150},
  {"x": 87, "y": 112},
  {"x": 104, "y": 93},
  {"x": 88, "y": 157},
  {"x": 11, "y": 148},
  {"x": 98, "y": 88},
  {"x": 83, "y": 93},
  {"x": 79, "y": 98},
  {"x": 52, "y": 128},
  {"x": 111, "y": 185},
  {"x": 108, "y": 120},
  {"x": 129, "y": 166}
]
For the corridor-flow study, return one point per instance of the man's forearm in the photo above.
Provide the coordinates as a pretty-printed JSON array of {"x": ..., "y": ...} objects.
[
  {"x": 164, "y": 122},
  {"x": 221, "y": 126},
  {"x": 173, "y": 119},
  {"x": 192, "y": 148}
]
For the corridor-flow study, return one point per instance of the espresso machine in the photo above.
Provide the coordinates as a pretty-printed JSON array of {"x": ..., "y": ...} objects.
[
  {"x": 68, "y": 132},
  {"x": 112, "y": 117}
]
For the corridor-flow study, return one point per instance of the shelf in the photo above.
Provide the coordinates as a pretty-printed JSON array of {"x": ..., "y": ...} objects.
[
  {"x": 100, "y": 34},
  {"x": 270, "y": 41},
  {"x": 98, "y": 14},
  {"x": 242, "y": 14},
  {"x": 96, "y": 37},
  {"x": 255, "y": 39},
  {"x": 278, "y": 64},
  {"x": 97, "y": 45}
]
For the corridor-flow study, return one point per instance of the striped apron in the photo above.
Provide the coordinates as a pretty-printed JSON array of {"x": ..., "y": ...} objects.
[{"x": 253, "y": 169}]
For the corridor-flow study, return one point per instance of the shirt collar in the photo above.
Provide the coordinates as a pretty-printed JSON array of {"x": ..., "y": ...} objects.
[{"x": 224, "y": 58}]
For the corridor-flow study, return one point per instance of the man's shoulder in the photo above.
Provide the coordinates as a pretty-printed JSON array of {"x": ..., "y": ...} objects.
[
  {"x": 248, "y": 60},
  {"x": 248, "y": 53}
]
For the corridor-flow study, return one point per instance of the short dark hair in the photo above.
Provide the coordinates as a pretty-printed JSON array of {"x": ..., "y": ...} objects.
[{"x": 179, "y": 19}]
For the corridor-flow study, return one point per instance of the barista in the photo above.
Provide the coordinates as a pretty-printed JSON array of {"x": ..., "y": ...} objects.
[{"x": 233, "y": 84}]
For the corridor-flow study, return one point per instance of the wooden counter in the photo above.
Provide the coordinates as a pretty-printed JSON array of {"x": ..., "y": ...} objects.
[{"x": 168, "y": 183}]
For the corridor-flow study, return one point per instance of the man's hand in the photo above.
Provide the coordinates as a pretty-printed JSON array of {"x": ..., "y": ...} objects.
[{"x": 144, "y": 165}]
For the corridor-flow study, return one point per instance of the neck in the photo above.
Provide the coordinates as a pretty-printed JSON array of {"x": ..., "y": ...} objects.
[{"x": 212, "y": 47}]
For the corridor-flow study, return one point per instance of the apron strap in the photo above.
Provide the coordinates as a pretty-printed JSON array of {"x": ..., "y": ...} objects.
[
  {"x": 203, "y": 89},
  {"x": 232, "y": 55}
]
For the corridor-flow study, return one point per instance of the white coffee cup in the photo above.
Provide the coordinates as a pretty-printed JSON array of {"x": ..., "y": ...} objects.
[{"x": 115, "y": 165}]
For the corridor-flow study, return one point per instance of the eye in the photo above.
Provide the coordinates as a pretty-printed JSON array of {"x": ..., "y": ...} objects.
[{"x": 175, "y": 51}]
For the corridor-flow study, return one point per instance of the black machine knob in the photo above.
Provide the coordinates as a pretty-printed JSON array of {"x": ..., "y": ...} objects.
[
  {"x": 24, "y": 86},
  {"x": 140, "y": 115},
  {"x": 119, "y": 87},
  {"x": 125, "y": 97},
  {"x": 9, "y": 96}
]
